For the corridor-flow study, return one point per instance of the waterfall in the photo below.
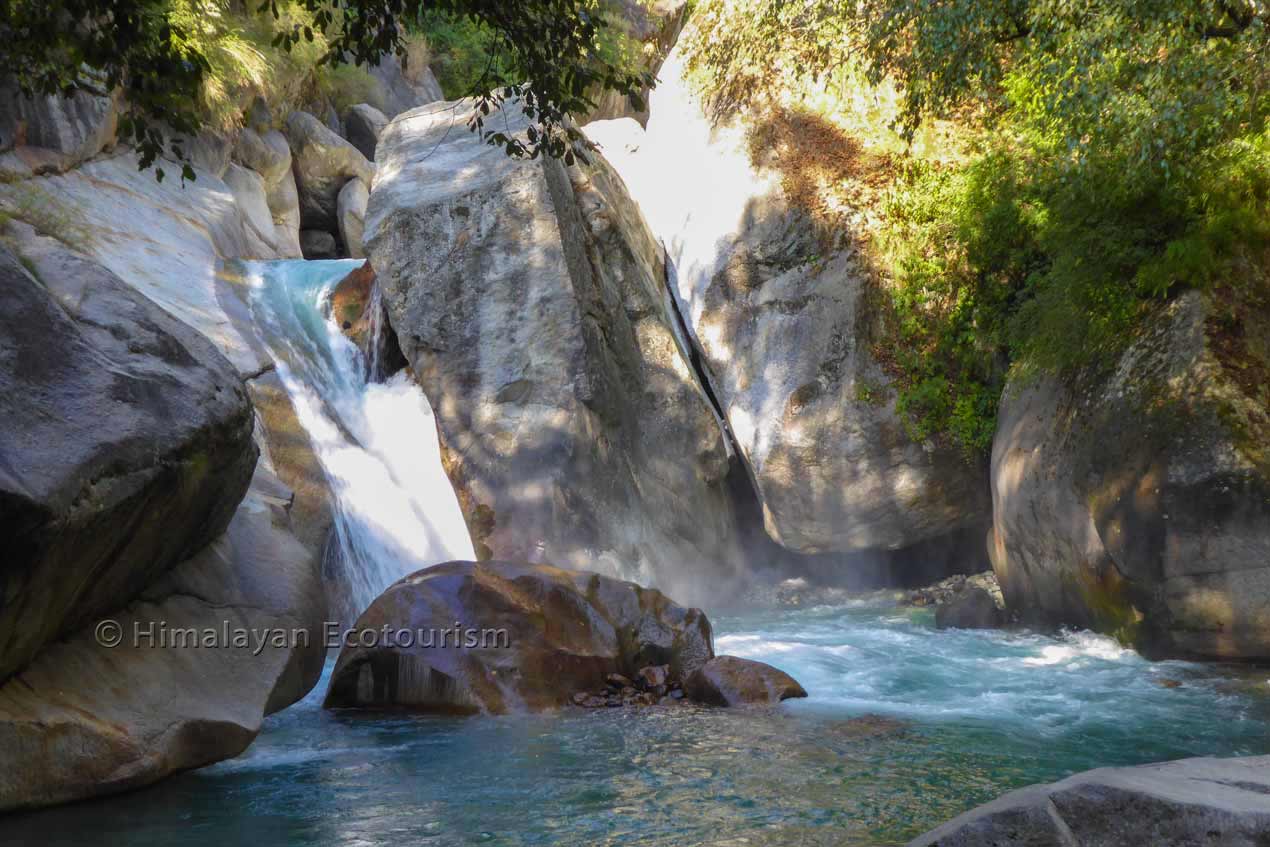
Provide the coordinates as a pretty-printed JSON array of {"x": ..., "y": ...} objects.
[{"x": 393, "y": 506}]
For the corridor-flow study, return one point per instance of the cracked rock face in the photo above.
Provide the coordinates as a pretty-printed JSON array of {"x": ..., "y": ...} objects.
[
  {"x": 1137, "y": 502},
  {"x": 529, "y": 300},
  {"x": 1176, "y": 804},
  {"x": 126, "y": 450}
]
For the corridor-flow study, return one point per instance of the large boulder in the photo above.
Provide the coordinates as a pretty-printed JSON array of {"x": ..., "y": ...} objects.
[
  {"x": 733, "y": 681},
  {"x": 203, "y": 654},
  {"x": 1136, "y": 500},
  {"x": 498, "y": 637},
  {"x": 248, "y": 188},
  {"x": 397, "y": 89},
  {"x": 171, "y": 241},
  {"x": 266, "y": 151},
  {"x": 52, "y": 133},
  {"x": 351, "y": 210},
  {"x": 971, "y": 608},
  {"x": 125, "y": 452},
  {"x": 534, "y": 315},
  {"x": 1175, "y": 804},
  {"x": 780, "y": 312},
  {"x": 323, "y": 162},
  {"x": 362, "y": 124}
]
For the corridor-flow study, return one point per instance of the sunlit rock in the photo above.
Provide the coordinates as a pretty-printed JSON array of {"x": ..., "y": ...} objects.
[
  {"x": 529, "y": 299},
  {"x": 1176, "y": 804},
  {"x": 780, "y": 309}
]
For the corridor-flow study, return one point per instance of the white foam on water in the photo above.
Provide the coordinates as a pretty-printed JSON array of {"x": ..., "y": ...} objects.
[{"x": 395, "y": 509}]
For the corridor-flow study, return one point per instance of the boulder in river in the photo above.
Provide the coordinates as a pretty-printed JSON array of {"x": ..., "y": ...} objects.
[
  {"x": 323, "y": 162},
  {"x": 535, "y": 315},
  {"x": 733, "y": 681},
  {"x": 970, "y": 608},
  {"x": 126, "y": 450},
  {"x": 1175, "y": 804},
  {"x": 1136, "y": 500},
  {"x": 318, "y": 244},
  {"x": 498, "y": 637}
]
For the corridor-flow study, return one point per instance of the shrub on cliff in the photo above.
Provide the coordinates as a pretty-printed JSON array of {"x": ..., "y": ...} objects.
[{"x": 1103, "y": 154}]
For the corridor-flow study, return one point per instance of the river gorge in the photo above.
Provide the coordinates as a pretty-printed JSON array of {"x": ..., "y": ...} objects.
[{"x": 643, "y": 413}]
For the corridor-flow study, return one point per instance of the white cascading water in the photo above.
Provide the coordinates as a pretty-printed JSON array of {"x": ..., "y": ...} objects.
[
  {"x": 395, "y": 510},
  {"x": 693, "y": 181}
]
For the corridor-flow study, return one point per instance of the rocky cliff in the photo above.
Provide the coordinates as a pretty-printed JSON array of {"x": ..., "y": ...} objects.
[
  {"x": 1136, "y": 499},
  {"x": 528, "y": 298}
]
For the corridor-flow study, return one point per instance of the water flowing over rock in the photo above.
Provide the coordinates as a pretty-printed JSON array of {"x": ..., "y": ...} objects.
[
  {"x": 784, "y": 326},
  {"x": 323, "y": 162},
  {"x": 1137, "y": 502},
  {"x": 732, "y": 681},
  {"x": 124, "y": 453},
  {"x": 518, "y": 638},
  {"x": 529, "y": 299},
  {"x": 1176, "y": 804},
  {"x": 85, "y": 719}
]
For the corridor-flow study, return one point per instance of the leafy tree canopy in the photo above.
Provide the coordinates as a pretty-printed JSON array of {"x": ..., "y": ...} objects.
[{"x": 549, "y": 58}]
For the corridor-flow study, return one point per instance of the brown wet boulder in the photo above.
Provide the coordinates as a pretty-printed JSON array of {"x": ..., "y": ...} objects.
[
  {"x": 733, "y": 681},
  {"x": 499, "y": 637}
]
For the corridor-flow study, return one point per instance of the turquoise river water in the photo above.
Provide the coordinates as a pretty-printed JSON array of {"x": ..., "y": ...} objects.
[{"x": 905, "y": 727}]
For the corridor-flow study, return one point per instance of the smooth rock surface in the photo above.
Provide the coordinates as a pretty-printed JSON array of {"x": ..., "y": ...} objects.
[
  {"x": 266, "y": 152},
  {"x": 1138, "y": 502},
  {"x": 1186, "y": 803},
  {"x": 535, "y": 317},
  {"x": 248, "y": 188},
  {"x": 168, "y": 240},
  {"x": 323, "y": 162},
  {"x": 85, "y": 720},
  {"x": 733, "y": 681},
  {"x": 532, "y": 636},
  {"x": 785, "y": 329},
  {"x": 351, "y": 206},
  {"x": 125, "y": 452}
]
